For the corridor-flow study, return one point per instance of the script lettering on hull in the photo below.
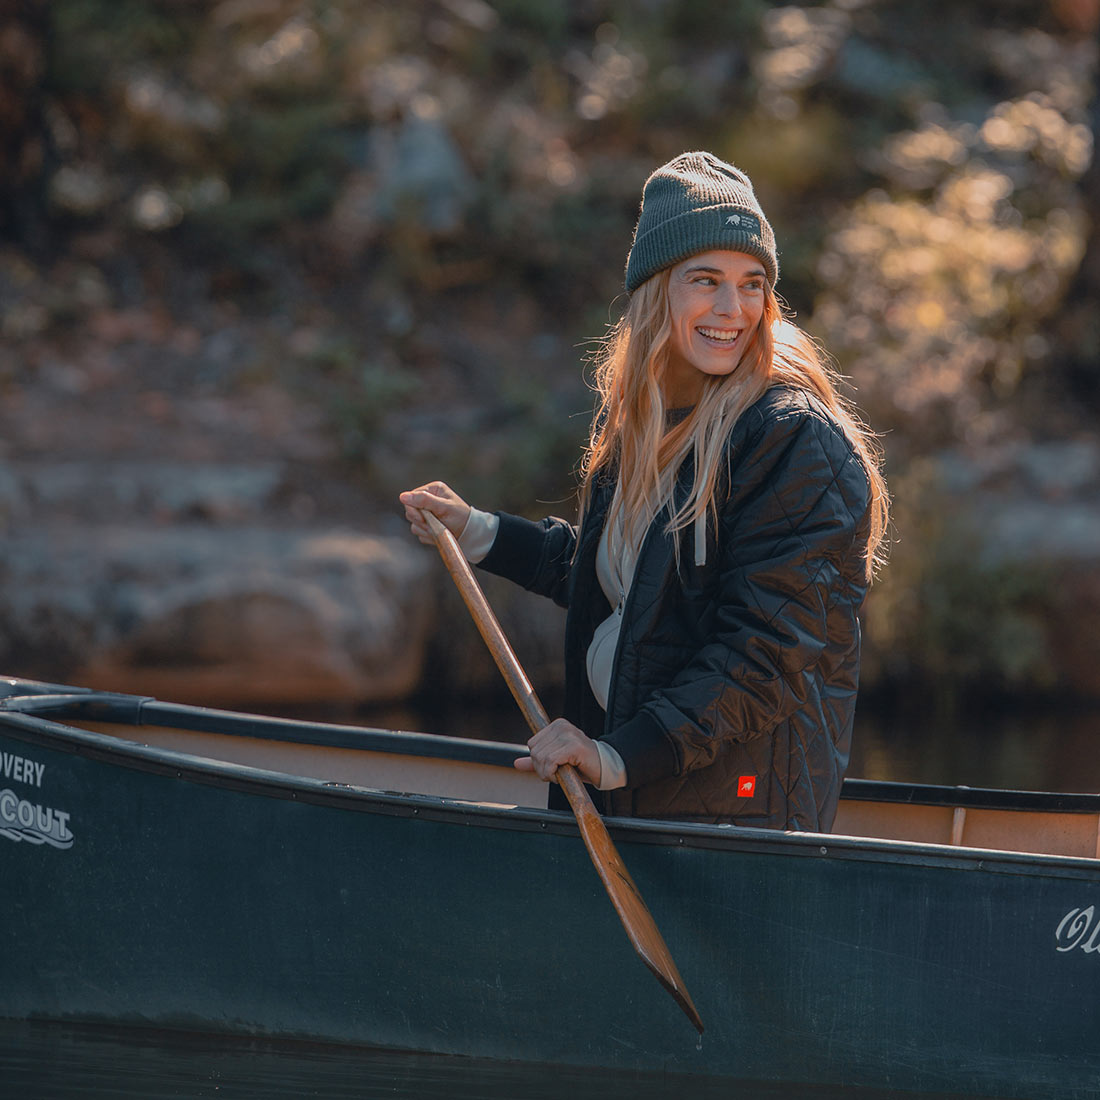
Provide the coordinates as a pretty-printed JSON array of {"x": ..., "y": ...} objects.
[{"x": 1079, "y": 930}]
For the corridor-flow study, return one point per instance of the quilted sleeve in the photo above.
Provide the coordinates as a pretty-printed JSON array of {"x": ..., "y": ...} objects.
[{"x": 537, "y": 556}]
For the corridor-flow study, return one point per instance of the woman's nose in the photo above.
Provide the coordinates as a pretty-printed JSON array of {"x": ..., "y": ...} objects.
[{"x": 727, "y": 302}]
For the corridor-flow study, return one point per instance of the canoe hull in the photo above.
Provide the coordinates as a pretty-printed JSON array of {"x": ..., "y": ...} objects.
[{"x": 188, "y": 894}]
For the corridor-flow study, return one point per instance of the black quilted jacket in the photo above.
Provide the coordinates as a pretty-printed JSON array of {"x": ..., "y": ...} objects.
[{"x": 735, "y": 682}]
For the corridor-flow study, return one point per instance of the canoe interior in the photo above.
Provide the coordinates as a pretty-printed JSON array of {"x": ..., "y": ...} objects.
[
  {"x": 483, "y": 772},
  {"x": 405, "y": 773},
  {"x": 1037, "y": 831}
]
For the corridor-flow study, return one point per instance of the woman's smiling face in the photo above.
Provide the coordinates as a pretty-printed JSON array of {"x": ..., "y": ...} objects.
[{"x": 715, "y": 302}]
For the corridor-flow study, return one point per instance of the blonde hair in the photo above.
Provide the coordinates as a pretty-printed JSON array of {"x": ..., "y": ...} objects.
[{"x": 631, "y": 432}]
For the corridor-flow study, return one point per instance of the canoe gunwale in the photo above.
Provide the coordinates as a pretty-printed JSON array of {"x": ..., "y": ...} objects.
[
  {"x": 37, "y": 698},
  {"x": 30, "y": 727},
  {"x": 971, "y": 798},
  {"x": 136, "y": 710}
]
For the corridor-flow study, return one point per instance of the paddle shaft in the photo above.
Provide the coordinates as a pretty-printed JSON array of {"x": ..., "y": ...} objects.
[{"x": 636, "y": 918}]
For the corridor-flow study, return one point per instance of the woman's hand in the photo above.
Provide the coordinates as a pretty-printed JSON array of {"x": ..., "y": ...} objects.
[
  {"x": 562, "y": 743},
  {"x": 442, "y": 501}
]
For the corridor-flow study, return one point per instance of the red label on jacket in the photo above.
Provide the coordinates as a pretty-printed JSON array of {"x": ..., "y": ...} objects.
[{"x": 746, "y": 786}]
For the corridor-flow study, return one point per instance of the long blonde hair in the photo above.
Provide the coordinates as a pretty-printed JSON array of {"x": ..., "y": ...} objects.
[{"x": 631, "y": 430}]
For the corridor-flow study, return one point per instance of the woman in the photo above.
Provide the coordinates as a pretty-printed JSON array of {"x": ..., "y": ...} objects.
[{"x": 732, "y": 510}]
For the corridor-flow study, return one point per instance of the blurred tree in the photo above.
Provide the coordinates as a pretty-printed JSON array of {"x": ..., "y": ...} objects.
[
  {"x": 1075, "y": 354},
  {"x": 24, "y": 34},
  {"x": 942, "y": 281}
]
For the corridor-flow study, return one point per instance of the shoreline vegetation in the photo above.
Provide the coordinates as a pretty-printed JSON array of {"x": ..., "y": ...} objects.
[{"x": 264, "y": 264}]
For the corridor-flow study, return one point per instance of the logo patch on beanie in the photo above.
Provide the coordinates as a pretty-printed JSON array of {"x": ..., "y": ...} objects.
[{"x": 744, "y": 223}]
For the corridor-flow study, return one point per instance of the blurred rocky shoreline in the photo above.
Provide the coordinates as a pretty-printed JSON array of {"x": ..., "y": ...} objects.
[{"x": 223, "y": 584}]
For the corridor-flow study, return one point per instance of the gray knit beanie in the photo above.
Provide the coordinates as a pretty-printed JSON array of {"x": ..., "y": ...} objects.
[{"x": 695, "y": 203}]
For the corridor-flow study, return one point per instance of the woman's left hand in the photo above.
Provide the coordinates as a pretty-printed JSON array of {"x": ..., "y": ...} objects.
[{"x": 562, "y": 743}]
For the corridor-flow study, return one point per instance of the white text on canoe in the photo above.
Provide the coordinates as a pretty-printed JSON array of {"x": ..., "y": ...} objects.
[
  {"x": 23, "y": 820},
  {"x": 1079, "y": 928},
  {"x": 21, "y": 769}
]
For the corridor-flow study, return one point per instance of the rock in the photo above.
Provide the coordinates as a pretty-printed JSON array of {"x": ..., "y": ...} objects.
[
  {"x": 225, "y": 617},
  {"x": 173, "y": 579},
  {"x": 1058, "y": 539},
  {"x": 1032, "y": 502},
  {"x": 1033, "y": 530},
  {"x": 82, "y": 190},
  {"x": 158, "y": 490},
  {"x": 1027, "y": 518},
  {"x": 419, "y": 165}
]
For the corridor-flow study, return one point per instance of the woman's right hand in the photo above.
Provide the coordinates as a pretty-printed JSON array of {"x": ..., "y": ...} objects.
[
  {"x": 442, "y": 501},
  {"x": 562, "y": 743}
]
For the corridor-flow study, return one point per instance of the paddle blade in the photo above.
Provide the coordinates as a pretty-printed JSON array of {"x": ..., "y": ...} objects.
[{"x": 636, "y": 918}]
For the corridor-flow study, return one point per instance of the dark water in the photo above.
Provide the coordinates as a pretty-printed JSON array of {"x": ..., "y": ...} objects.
[
  {"x": 1037, "y": 751},
  {"x": 1018, "y": 749},
  {"x": 61, "y": 1062}
]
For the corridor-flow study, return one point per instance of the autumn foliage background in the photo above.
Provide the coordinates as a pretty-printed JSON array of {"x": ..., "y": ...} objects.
[{"x": 377, "y": 240}]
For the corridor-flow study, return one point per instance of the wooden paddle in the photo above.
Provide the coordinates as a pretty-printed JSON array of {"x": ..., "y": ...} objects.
[{"x": 636, "y": 918}]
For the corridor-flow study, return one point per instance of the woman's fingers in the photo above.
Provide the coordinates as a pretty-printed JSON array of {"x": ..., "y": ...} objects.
[
  {"x": 561, "y": 743},
  {"x": 442, "y": 501}
]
